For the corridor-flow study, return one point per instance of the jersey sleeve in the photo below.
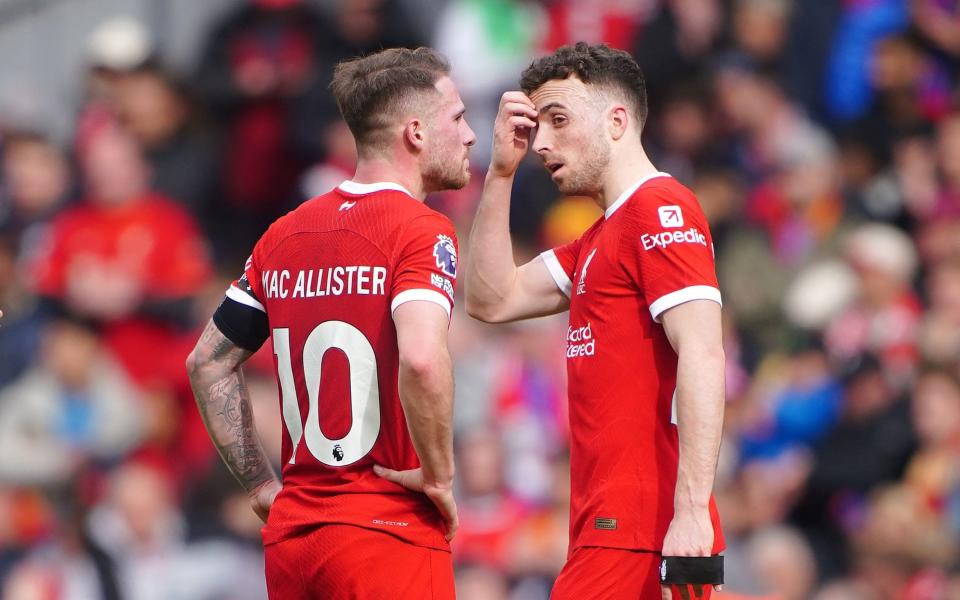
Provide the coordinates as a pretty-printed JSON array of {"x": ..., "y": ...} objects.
[
  {"x": 672, "y": 252},
  {"x": 242, "y": 316},
  {"x": 426, "y": 263},
  {"x": 561, "y": 262}
]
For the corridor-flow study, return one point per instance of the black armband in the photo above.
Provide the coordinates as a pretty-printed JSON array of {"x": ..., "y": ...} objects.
[
  {"x": 697, "y": 570},
  {"x": 245, "y": 326}
]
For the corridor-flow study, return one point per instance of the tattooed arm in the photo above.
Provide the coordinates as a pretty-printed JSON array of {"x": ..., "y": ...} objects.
[{"x": 224, "y": 403}]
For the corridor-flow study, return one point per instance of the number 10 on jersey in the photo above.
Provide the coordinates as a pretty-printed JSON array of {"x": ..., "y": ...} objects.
[{"x": 364, "y": 392}]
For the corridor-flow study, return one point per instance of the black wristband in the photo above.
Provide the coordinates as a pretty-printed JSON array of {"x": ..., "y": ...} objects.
[{"x": 698, "y": 570}]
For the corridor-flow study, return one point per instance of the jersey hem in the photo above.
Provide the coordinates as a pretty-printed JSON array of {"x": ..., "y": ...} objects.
[
  {"x": 681, "y": 296},
  {"x": 420, "y": 294},
  {"x": 556, "y": 271}
]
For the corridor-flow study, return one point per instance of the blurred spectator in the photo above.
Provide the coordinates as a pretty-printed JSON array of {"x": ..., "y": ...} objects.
[
  {"x": 21, "y": 323},
  {"x": 809, "y": 46},
  {"x": 673, "y": 47},
  {"x": 801, "y": 413},
  {"x": 36, "y": 183},
  {"x": 859, "y": 27},
  {"x": 614, "y": 23},
  {"x": 260, "y": 60},
  {"x": 870, "y": 445},
  {"x": 182, "y": 155},
  {"x": 940, "y": 331},
  {"x": 337, "y": 167},
  {"x": 783, "y": 563},
  {"x": 488, "y": 514},
  {"x": 481, "y": 583},
  {"x": 909, "y": 91},
  {"x": 264, "y": 73},
  {"x": 116, "y": 47},
  {"x": 75, "y": 406},
  {"x": 939, "y": 23},
  {"x": 125, "y": 252},
  {"x": 760, "y": 30},
  {"x": 884, "y": 318},
  {"x": 488, "y": 43},
  {"x": 130, "y": 261},
  {"x": 141, "y": 528},
  {"x": 901, "y": 547},
  {"x": 685, "y": 138},
  {"x": 538, "y": 547},
  {"x": 933, "y": 472}
]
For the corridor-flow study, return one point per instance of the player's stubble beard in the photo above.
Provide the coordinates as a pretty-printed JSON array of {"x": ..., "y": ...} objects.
[
  {"x": 587, "y": 178},
  {"x": 444, "y": 172}
]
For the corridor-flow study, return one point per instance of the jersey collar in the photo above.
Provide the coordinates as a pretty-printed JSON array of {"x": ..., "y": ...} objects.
[
  {"x": 630, "y": 191},
  {"x": 360, "y": 189}
]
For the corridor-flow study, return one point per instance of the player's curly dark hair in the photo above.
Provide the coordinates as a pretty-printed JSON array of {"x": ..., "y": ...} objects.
[
  {"x": 370, "y": 90},
  {"x": 598, "y": 65}
]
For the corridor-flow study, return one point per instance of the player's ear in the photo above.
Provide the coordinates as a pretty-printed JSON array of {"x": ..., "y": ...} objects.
[
  {"x": 414, "y": 133},
  {"x": 617, "y": 121}
]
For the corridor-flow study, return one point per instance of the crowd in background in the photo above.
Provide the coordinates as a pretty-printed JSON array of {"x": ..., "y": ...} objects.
[{"x": 822, "y": 138}]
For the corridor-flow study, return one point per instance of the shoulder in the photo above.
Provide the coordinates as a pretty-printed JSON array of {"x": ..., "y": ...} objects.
[{"x": 664, "y": 201}]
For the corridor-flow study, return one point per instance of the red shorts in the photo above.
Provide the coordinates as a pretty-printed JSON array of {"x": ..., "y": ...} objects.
[
  {"x": 335, "y": 562},
  {"x": 614, "y": 574}
]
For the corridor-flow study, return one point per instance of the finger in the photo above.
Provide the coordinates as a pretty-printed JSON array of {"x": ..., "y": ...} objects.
[
  {"x": 451, "y": 517},
  {"x": 516, "y": 108},
  {"x": 388, "y": 474},
  {"x": 521, "y": 121},
  {"x": 665, "y": 593},
  {"x": 453, "y": 524},
  {"x": 718, "y": 588},
  {"x": 516, "y": 96}
]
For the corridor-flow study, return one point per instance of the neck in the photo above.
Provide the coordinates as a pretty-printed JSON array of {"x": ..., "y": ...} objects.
[
  {"x": 627, "y": 165},
  {"x": 380, "y": 169}
]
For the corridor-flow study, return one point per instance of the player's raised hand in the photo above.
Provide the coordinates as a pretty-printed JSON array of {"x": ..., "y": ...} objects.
[
  {"x": 511, "y": 133},
  {"x": 262, "y": 497},
  {"x": 442, "y": 497}
]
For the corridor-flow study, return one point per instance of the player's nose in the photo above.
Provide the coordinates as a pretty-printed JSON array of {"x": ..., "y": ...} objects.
[
  {"x": 471, "y": 137},
  {"x": 541, "y": 140}
]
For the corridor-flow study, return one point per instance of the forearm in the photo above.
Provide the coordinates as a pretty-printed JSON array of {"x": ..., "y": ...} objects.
[
  {"x": 426, "y": 393},
  {"x": 224, "y": 403},
  {"x": 491, "y": 271},
  {"x": 700, "y": 405}
]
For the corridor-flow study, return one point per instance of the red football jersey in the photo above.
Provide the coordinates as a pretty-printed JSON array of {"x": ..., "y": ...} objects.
[
  {"x": 650, "y": 251},
  {"x": 328, "y": 276}
]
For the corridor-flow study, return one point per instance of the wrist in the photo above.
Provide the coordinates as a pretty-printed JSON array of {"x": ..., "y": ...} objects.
[
  {"x": 437, "y": 484},
  {"x": 499, "y": 174},
  {"x": 266, "y": 483}
]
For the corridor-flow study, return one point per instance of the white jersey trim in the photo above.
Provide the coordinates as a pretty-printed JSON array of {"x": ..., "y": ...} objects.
[
  {"x": 622, "y": 198},
  {"x": 694, "y": 292},
  {"x": 360, "y": 189},
  {"x": 242, "y": 297},
  {"x": 556, "y": 271},
  {"x": 421, "y": 294}
]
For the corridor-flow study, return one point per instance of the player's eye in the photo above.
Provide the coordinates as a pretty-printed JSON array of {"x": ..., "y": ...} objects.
[{"x": 558, "y": 120}]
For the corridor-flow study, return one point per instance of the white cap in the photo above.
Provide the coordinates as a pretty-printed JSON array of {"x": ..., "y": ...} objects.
[
  {"x": 883, "y": 248},
  {"x": 120, "y": 44},
  {"x": 818, "y": 294}
]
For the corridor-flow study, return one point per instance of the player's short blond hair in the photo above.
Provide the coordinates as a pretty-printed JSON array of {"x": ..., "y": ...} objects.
[{"x": 373, "y": 91}]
